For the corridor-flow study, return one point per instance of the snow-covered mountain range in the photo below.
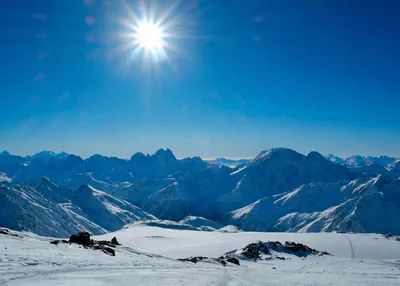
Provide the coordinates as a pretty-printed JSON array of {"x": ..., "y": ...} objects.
[
  {"x": 362, "y": 161},
  {"x": 279, "y": 190}
]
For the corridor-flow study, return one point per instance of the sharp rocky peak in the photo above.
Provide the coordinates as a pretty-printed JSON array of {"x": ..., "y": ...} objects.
[{"x": 165, "y": 153}]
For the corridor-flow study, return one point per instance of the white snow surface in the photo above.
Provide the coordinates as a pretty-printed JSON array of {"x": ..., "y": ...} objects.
[
  {"x": 358, "y": 259},
  {"x": 4, "y": 178}
]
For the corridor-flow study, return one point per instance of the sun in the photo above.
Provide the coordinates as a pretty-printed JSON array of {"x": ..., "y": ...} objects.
[
  {"x": 149, "y": 36},
  {"x": 151, "y": 32}
]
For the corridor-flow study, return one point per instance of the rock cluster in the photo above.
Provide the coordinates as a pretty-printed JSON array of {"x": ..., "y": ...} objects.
[
  {"x": 390, "y": 236},
  {"x": 83, "y": 238},
  {"x": 261, "y": 250},
  {"x": 255, "y": 251},
  {"x": 223, "y": 259}
]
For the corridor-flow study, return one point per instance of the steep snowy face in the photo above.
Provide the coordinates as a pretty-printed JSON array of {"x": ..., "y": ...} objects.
[
  {"x": 258, "y": 216},
  {"x": 359, "y": 206},
  {"x": 171, "y": 203},
  {"x": 105, "y": 210},
  {"x": 264, "y": 214},
  {"x": 53, "y": 192},
  {"x": 280, "y": 170},
  {"x": 75, "y": 181},
  {"x": 48, "y": 209},
  {"x": 395, "y": 167},
  {"x": 355, "y": 161},
  {"x": 335, "y": 159},
  {"x": 28, "y": 209},
  {"x": 138, "y": 192}
]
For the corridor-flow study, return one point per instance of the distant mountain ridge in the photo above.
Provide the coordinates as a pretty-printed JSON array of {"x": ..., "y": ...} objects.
[
  {"x": 278, "y": 190},
  {"x": 362, "y": 161}
]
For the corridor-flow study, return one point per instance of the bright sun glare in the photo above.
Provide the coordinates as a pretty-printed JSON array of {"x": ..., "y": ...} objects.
[{"x": 149, "y": 36}]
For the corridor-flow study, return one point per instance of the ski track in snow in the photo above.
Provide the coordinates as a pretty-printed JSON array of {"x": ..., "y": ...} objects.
[{"x": 350, "y": 245}]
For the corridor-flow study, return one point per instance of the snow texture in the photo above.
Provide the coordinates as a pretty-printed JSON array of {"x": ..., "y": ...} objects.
[{"x": 148, "y": 256}]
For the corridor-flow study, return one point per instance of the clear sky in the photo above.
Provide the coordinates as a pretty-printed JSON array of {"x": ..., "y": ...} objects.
[{"x": 242, "y": 76}]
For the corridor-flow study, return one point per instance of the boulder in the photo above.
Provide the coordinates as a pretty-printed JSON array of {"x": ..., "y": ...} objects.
[
  {"x": 82, "y": 238},
  {"x": 114, "y": 241}
]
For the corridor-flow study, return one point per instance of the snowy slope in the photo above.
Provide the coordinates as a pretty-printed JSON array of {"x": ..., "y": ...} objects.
[
  {"x": 171, "y": 203},
  {"x": 280, "y": 189},
  {"x": 357, "y": 260},
  {"x": 276, "y": 171},
  {"x": 105, "y": 210},
  {"x": 27, "y": 208},
  {"x": 49, "y": 209},
  {"x": 358, "y": 206}
]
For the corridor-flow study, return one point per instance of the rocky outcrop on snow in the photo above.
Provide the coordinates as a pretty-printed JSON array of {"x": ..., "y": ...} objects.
[
  {"x": 261, "y": 251},
  {"x": 268, "y": 250},
  {"x": 83, "y": 238}
]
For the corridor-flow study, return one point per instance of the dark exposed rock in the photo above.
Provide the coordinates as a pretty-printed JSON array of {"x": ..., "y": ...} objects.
[
  {"x": 81, "y": 238},
  {"x": 201, "y": 258},
  {"x": 108, "y": 250},
  {"x": 262, "y": 250},
  {"x": 223, "y": 262},
  {"x": 233, "y": 260},
  {"x": 388, "y": 235},
  {"x": 7, "y": 232},
  {"x": 254, "y": 251},
  {"x": 114, "y": 241},
  {"x": 57, "y": 242},
  {"x": 105, "y": 242}
]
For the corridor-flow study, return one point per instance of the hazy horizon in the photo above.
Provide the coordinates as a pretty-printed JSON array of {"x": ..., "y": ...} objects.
[{"x": 193, "y": 155}]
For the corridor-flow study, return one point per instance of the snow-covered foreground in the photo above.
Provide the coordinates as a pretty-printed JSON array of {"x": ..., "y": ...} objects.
[{"x": 358, "y": 260}]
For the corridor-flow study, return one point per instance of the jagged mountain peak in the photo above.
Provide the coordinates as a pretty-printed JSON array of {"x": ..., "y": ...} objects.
[{"x": 165, "y": 153}]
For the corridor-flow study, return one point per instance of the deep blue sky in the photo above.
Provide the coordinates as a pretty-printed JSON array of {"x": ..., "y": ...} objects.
[{"x": 245, "y": 76}]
